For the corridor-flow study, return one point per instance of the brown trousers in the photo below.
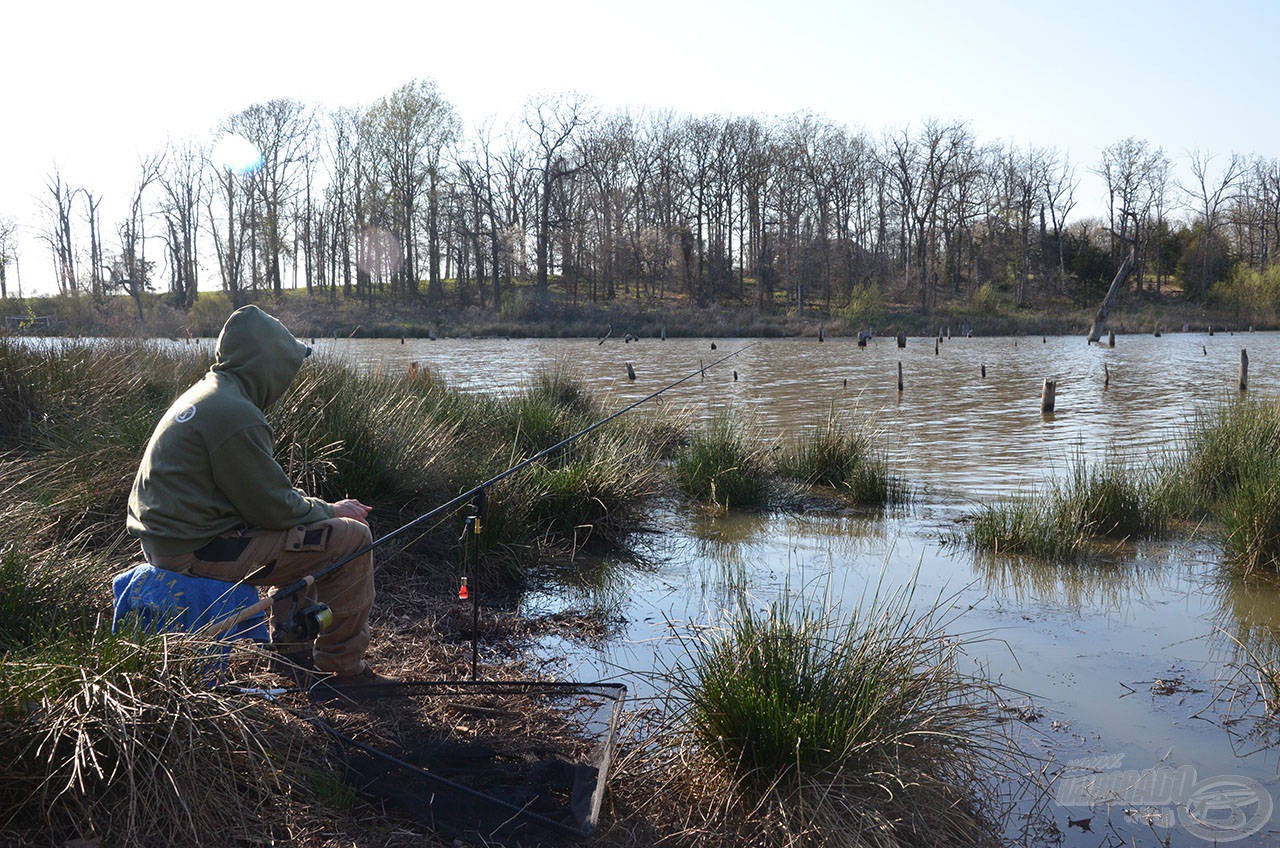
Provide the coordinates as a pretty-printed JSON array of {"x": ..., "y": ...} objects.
[{"x": 291, "y": 555}]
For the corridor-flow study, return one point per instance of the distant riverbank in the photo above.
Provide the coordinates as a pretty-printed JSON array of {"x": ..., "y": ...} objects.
[{"x": 528, "y": 316}]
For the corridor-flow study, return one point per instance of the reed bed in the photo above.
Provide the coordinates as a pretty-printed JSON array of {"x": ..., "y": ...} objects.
[
  {"x": 800, "y": 725},
  {"x": 843, "y": 459},
  {"x": 1095, "y": 505},
  {"x": 725, "y": 464},
  {"x": 729, "y": 464}
]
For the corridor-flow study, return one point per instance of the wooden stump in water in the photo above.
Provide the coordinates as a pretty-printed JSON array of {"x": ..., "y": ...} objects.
[
  {"x": 984, "y": 369},
  {"x": 1244, "y": 370},
  {"x": 899, "y": 377},
  {"x": 1106, "y": 376},
  {"x": 631, "y": 372},
  {"x": 1048, "y": 395},
  {"x": 1211, "y": 329},
  {"x": 664, "y": 332},
  {"x": 862, "y": 342},
  {"x": 935, "y": 347},
  {"x": 1111, "y": 338},
  {"x": 902, "y": 339},
  {"x": 821, "y": 337},
  {"x": 735, "y": 376}
]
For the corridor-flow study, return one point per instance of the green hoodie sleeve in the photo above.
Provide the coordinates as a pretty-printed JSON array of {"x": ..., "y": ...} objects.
[{"x": 246, "y": 472}]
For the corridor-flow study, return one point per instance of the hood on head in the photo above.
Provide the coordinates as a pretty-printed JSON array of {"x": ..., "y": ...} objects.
[{"x": 260, "y": 352}]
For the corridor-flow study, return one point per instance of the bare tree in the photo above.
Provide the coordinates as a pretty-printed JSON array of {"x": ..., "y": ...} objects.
[
  {"x": 131, "y": 271},
  {"x": 1059, "y": 187},
  {"x": 185, "y": 185},
  {"x": 280, "y": 129},
  {"x": 552, "y": 122},
  {"x": 1210, "y": 193},
  {"x": 407, "y": 133},
  {"x": 58, "y": 233},
  {"x": 8, "y": 252}
]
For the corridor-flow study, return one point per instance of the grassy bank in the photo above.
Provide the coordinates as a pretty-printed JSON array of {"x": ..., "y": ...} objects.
[{"x": 525, "y": 312}]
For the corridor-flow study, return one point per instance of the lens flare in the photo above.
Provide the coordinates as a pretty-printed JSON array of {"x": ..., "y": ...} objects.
[
  {"x": 236, "y": 154},
  {"x": 380, "y": 252}
]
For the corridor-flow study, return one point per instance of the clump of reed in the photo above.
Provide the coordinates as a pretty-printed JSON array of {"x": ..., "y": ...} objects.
[
  {"x": 805, "y": 726},
  {"x": 1093, "y": 504},
  {"x": 843, "y": 459},
  {"x": 725, "y": 464},
  {"x": 121, "y": 738}
]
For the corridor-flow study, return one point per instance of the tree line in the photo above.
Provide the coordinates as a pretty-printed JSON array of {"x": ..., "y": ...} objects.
[{"x": 396, "y": 201}]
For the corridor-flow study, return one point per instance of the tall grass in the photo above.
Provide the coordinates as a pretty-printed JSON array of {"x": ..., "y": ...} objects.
[
  {"x": 1230, "y": 472},
  {"x": 842, "y": 458},
  {"x": 77, "y": 416},
  {"x": 122, "y": 738},
  {"x": 854, "y": 729},
  {"x": 1096, "y": 502},
  {"x": 725, "y": 464}
]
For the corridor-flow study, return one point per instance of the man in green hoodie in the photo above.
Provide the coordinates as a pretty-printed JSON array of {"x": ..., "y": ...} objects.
[{"x": 210, "y": 500}]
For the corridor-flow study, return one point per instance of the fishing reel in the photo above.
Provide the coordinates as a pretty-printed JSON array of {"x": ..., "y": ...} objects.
[{"x": 309, "y": 622}]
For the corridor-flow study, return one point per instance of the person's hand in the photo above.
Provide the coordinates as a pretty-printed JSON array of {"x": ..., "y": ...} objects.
[{"x": 351, "y": 508}]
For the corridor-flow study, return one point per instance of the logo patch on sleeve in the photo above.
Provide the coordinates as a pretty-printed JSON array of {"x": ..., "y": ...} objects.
[{"x": 185, "y": 414}]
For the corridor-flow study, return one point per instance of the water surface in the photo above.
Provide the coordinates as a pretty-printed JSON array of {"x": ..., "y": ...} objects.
[{"x": 1083, "y": 647}]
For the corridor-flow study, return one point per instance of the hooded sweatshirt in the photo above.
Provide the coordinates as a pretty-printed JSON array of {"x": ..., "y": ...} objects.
[{"x": 210, "y": 466}]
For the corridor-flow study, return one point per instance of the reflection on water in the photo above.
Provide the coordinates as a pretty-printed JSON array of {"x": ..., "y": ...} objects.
[{"x": 1099, "y": 584}]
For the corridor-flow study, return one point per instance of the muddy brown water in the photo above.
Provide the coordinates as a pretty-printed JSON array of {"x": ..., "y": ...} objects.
[{"x": 1127, "y": 663}]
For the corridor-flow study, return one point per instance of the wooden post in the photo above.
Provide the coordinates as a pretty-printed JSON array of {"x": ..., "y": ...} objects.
[
  {"x": 899, "y": 377},
  {"x": 631, "y": 372},
  {"x": 1244, "y": 370},
  {"x": 702, "y": 369},
  {"x": 935, "y": 347},
  {"x": 1111, "y": 338},
  {"x": 902, "y": 339},
  {"x": 1048, "y": 395},
  {"x": 821, "y": 338},
  {"x": 1106, "y": 376},
  {"x": 735, "y": 376},
  {"x": 1211, "y": 329},
  {"x": 664, "y": 332},
  {"x": 984, "y": 369}
]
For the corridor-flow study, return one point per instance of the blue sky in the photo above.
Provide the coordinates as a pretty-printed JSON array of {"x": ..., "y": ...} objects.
[{"x": 93, "y": 86}]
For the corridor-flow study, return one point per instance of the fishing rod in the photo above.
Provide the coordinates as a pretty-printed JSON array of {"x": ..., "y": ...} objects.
[{"x": 315, "y": 615}]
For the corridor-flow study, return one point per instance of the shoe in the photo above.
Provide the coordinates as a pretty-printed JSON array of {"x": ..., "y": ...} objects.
[{"x": 363, "y": 684}]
